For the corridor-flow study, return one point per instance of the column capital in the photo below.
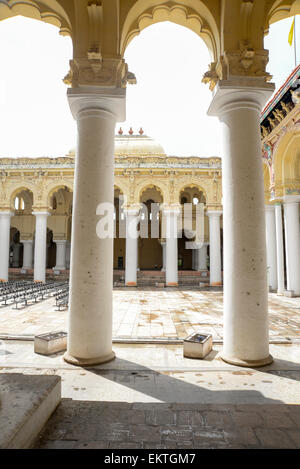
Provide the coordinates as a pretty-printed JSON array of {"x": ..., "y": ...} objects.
[
  {"x": 6, "y": 213},
  {"x": 41, "y": 213},
  {"x": 60, "y": 241},
  {"x": 173, "y": 209},
  {"x": 214, "y": 213},
  {"x": 132, "y": 210},
  {"x": 26, "y": 241},
  {"x": 291, "y": 199},
  {"x": 98, "y": 100},
  {"x": 240, "y": 93},
  {"x": 270, "y": 207}
]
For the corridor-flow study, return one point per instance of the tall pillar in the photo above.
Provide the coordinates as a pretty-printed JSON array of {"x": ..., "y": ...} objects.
[
  {"x": 292, "y": 243},
  {"x": 163, "y": 245},
  {"x": 16, "y": 255},
  {"x": 68, "y": 254},
  {"x": 279, "y": 249},
  {"x": 171, "y": 215},
  {"x": 199, "y": 253},
  {"x": 202, "y": 258},
  {"x": 215, "y": 248},
  {"x": 131, "y": 255},
  {"x": 27, "y": 253},
  {"x": 238, "y": 102},
  {"x": 271, "y": 246},
  {"x": 60, "y": 254},
  {"x": 40, "y": 246},
  {"x": 96, "y": 111},
  {"x": 4, "y": 244}
]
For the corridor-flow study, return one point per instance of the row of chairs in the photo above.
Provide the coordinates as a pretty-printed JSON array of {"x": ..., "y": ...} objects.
[
  {"x": 62, "y": 298},
  {"x": 25, "y": 293}
]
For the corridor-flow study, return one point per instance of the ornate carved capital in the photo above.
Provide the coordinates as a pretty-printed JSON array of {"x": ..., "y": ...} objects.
[
  {"x": 244, "y": 62},
  {"x": 97, "y": 71}
]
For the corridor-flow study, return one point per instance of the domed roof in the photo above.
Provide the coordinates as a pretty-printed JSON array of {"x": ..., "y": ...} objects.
[
  {"x": 133, "y": 145},
  {"x": 137, "y": 145}
]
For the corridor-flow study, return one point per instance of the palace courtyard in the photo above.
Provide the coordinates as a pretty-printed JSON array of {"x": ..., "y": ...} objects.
[
  {"x": 154, "y": 313},
  {"x": 150, "y": 396}
]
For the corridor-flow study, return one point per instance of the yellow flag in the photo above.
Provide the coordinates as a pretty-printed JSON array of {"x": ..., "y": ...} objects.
[{"x": 291, "y": 34}]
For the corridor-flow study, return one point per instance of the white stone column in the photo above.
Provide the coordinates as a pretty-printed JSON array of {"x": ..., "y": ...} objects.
[
  {"x": 96, "y": 111},
  {"x": 202, "y": 258},
  {"x": 163, "y": 245},
  {"x": 68, "y": 254},
  {"x": 279, "y": 249},
  {"x": 195, "y": 259},
  {"x": 40, "y": 246},
  {"x": 215, "y": 247},
  {"x": 238, "y": 103},
  {"x": 271, "y": 246},
  {"x": 60, "y": 254},
  {"x": 171, "y": 215},
  {"x": 131, "y": 255},
  {"x": 4, "y": 244},
  {"x": 292, "y": 243},
  {"x": 27, "y": 253},
  {"x": 16, "y": 255}
]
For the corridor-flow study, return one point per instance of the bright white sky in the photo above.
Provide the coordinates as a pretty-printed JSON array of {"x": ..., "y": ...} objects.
[{"x": 169, "y": 101}]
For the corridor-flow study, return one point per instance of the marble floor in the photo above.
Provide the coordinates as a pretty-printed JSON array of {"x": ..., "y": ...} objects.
[{"x": 155, "y": 313}]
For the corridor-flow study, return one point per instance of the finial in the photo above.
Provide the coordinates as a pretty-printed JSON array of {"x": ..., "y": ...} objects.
[
  {"x": 130, "y": 131},
  {"x": 120, "y": 131},
  {"x": 141, "y": 131}
]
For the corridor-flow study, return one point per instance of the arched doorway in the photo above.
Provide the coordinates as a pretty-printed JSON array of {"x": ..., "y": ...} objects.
[
  {"x": 149, "y": 246},
  {"x": 120, "y": 231}
]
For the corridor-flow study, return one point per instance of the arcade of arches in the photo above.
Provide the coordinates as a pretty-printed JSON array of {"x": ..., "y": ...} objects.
[{"x": 234, "y": 34}]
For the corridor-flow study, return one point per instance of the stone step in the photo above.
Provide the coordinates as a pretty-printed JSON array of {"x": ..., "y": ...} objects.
[{"x": 26, "y": 404}]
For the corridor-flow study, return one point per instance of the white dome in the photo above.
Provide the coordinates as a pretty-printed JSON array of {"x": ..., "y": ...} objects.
[
  {"x": 137, "y": 145},
  {"x": 133, "y": 145}
]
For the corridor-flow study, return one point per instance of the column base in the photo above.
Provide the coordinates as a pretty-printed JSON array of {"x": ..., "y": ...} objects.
[
  {"x": 172, "y": 284},
  {"x": 247, "y": 363},
  {"x": 216, "y": 284},
  {"x": 88, "y": 361},
  {"x": 131, "y": 284}
]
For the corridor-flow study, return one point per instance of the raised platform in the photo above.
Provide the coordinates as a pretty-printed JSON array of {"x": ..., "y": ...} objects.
[{"x": 26, "y": 403}]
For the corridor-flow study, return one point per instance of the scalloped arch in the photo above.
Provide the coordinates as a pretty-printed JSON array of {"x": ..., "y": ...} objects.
[
  {"x": 48, "y": 11},
  {"x": 192, "y": 184},
  {"x": 54, "y": 187},
  {"x": 283, "y": 160},
  {"x": 194, "y": 16},
  {"x": 281, "y": 10},
  {"x": 14, "y": 191},
  {"x": 143, "y": 186}
]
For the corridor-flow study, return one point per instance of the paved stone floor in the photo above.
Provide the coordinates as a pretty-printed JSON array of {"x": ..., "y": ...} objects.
[
  {"x": 153, "y": 397},
  {"x": 150, "y": 312}
]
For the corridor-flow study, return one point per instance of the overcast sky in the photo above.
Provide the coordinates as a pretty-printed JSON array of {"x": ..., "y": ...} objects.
[{"x": 169, "y": 101}]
